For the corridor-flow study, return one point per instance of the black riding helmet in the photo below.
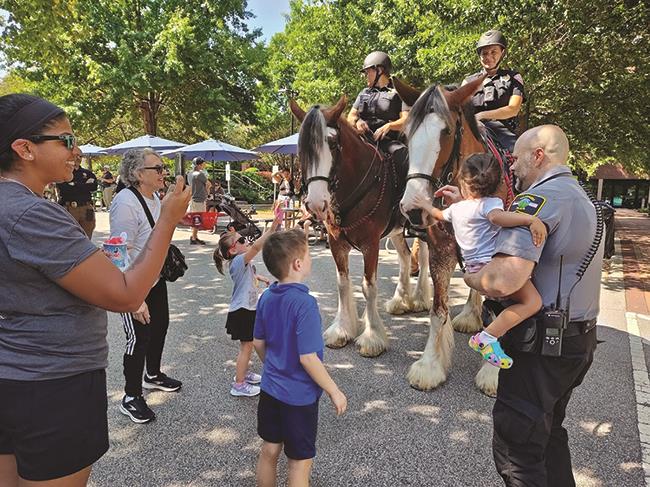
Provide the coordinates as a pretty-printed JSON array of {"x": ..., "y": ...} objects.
[
  {"x": 378, "y": 58},
  {"x": 491, "y": 38}
]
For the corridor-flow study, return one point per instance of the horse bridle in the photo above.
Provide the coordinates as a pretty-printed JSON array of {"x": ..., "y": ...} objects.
[
  {"x": 335, "y": 148},
  {"x": 447, "y": 173}
]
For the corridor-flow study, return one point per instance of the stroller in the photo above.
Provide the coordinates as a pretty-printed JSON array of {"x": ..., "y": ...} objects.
[
  {"x": 224, "y": 204},
  {"x": 240, "y": 220}
]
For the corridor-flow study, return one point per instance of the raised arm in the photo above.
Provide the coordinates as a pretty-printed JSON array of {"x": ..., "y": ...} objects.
[
  {"x": 256, "y": 246},
  {"x": 508, "y": 219},
  {"x": 97, "y": 281}
]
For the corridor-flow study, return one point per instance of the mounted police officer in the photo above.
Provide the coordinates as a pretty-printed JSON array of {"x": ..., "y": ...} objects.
[
  {"x": 552, "y": 353},
  {"x": 378, "y": 112},
  {"x": 498, "y": 101}
]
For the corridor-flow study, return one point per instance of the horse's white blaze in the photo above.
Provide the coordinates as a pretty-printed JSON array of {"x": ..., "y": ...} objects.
[
  {"x": 318, "y": 195},
  {"x": 424, "y": 148}
]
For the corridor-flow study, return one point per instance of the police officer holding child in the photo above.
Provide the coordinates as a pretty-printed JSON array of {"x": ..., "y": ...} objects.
[{"x": 530, "y": 445}]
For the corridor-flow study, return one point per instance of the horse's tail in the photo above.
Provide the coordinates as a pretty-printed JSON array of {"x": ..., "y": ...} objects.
[{"x": 312, "y": 135}]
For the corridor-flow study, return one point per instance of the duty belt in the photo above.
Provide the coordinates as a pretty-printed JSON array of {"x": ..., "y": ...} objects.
[
  {"x": 576, "y": 328},
  {"x": 75, "y": 204}
]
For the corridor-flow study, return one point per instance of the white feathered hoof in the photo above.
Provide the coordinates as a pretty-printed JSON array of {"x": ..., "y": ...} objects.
[
  {"x": 426, "y": 375},
  {"x": 398, "y": 305},
  {"x": 468, "y": 321},
  {"x": 487, "y": 379},
  {"x": 371, "y": 344},
  {"x": 336, "y": 336},
  {"x": 421, "y": 304}
]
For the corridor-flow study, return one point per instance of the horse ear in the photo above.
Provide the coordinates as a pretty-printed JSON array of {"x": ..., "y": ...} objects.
[
  {"x": 406, "y": 92},
  {"x": 335, "y": 112},
  {"x": 458, "y": 97},
  {"x": 298, "y": 112}
]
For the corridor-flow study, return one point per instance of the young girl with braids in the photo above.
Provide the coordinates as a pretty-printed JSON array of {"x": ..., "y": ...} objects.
[
  {"x": 476, "y": 221},
  {"x": 239, "y": 253}
]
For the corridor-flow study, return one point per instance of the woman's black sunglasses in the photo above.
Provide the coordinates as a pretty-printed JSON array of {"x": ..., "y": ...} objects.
[
  {"x": 69, "y": 140},
  {"x": 159, "y": 169}
]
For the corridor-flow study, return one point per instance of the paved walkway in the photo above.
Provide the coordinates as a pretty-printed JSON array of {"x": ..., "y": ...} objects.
[{"x": 633, "y": 232}]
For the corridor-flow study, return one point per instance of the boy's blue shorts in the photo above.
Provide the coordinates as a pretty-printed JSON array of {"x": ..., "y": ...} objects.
[{"x": 295, "y": 426}]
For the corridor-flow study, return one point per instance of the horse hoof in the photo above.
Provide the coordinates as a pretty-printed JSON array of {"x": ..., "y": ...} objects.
[
  {"x": 370, "y": 345},
  {"x": 420, "y": 305},
  {"x": 336, "y": 337},
  {"x": 467, "y": 322},
  {"x": 398, "y": 306},
  {"x": 426, "y": 376},
  {"x": 487, "y": 379}
]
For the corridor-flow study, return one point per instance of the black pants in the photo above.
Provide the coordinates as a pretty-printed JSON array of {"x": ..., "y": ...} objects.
[
  {"x": 501, "y": 133},
  {"x": 530, "y": 445},
  {"x": 145, "y": 341}
]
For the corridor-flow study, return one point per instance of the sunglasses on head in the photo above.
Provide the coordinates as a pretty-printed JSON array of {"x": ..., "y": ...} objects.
[
  {"x": 241, "y": 240},
  {"x": 69, "y": 140},
  {"x": 159, "y": 168}
]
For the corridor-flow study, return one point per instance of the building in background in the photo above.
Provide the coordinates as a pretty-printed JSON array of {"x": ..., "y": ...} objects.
[{"x": 619, "y": 188}]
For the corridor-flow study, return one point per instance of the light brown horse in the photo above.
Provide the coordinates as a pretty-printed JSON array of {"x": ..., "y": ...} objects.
[
  {"x": 356, "y": 191},
  {"x": 442, "y": 132}
]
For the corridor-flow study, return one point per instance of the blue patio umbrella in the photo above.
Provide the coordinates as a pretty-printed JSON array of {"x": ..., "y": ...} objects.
[
  {"x": 92, "y": 150},
  {"x": 213, "y": 150},
  {"x": 156, "y": 143},
  {"x": 286, "y": 145}
]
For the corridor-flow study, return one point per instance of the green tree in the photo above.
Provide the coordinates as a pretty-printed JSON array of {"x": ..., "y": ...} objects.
[
  {"x": 186, "y": 65},
  {"x": 585, "y": 63}
]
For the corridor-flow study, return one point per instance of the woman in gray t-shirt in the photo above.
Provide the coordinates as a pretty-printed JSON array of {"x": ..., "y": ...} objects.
[{"x": 53, "y": 292}]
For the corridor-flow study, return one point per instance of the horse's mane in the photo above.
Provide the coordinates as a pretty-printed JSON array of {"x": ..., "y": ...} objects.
[
  {"x": 311, "y": 136},
  {"x": 433, "y": 101}
]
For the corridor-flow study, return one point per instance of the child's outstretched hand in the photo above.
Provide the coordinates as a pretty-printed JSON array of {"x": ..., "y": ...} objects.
[
  {"x": 263, "y": 279},
  {"x": 538, "y": 230},
  {"x": 420, "y": 201},
  {"x": 339, "y": 401}
]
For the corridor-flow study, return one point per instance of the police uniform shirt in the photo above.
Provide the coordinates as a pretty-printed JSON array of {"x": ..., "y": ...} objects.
[
  {"x": 570, "y": 217},
  {"x": 496, "y": 92},
  {"x": 80, "y": 189},
  {"x": 378, "y": 106}
]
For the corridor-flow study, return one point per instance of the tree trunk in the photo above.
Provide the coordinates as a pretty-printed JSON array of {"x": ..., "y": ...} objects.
[{"x": 149, "y": 108}]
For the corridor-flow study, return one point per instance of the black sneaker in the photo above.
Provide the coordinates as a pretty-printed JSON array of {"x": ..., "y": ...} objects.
[
  {"x": 161, "y": 382},
  {"x": 137, "y": 410}
]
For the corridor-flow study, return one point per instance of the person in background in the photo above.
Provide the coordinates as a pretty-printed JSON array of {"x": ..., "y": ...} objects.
[
  {"x": 200, "y": 187},
  {"x": 55, "y": 289},
  {"x": 76, "y": 196},
  {"x": 142, "y": 171},
  {"x": 107, "y": 182}
]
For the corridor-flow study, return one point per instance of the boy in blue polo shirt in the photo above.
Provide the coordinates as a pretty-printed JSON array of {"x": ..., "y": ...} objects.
[{"x": 288, "y": 340}]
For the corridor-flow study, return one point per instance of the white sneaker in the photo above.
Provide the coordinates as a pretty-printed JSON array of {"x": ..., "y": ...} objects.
[
  {"x": 245, "y": 389},
  {"x": 251, "y": 378}
]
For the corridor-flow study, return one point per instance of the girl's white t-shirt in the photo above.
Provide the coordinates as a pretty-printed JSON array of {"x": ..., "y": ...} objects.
[{"x": 475, "y": 235}]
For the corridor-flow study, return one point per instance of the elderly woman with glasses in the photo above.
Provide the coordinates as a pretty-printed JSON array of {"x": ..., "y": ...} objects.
[
  {"x": 55, "y": 288},
  {"x": 133, "y": 208}
]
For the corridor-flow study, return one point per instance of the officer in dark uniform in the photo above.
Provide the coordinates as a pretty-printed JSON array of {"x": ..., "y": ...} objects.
[
  {"x": 77, "y": 197},
  {"x": 378, "y": 112},
  {"x": 498, "y": 101},
  {"x": 530, "y": 444}
]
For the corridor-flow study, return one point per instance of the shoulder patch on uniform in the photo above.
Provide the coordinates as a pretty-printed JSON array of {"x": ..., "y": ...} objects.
[
  {"x": 519, "y": 78},
  {"x": 527, "y": 203}
]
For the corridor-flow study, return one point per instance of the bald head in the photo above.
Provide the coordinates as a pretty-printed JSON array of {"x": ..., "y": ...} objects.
[{"x": 551, "y": 139}]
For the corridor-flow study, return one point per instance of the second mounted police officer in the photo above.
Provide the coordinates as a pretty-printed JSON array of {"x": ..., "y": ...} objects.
[
  {"x": 378, "y": 112},
  {"x": 498, "y": 101}
]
